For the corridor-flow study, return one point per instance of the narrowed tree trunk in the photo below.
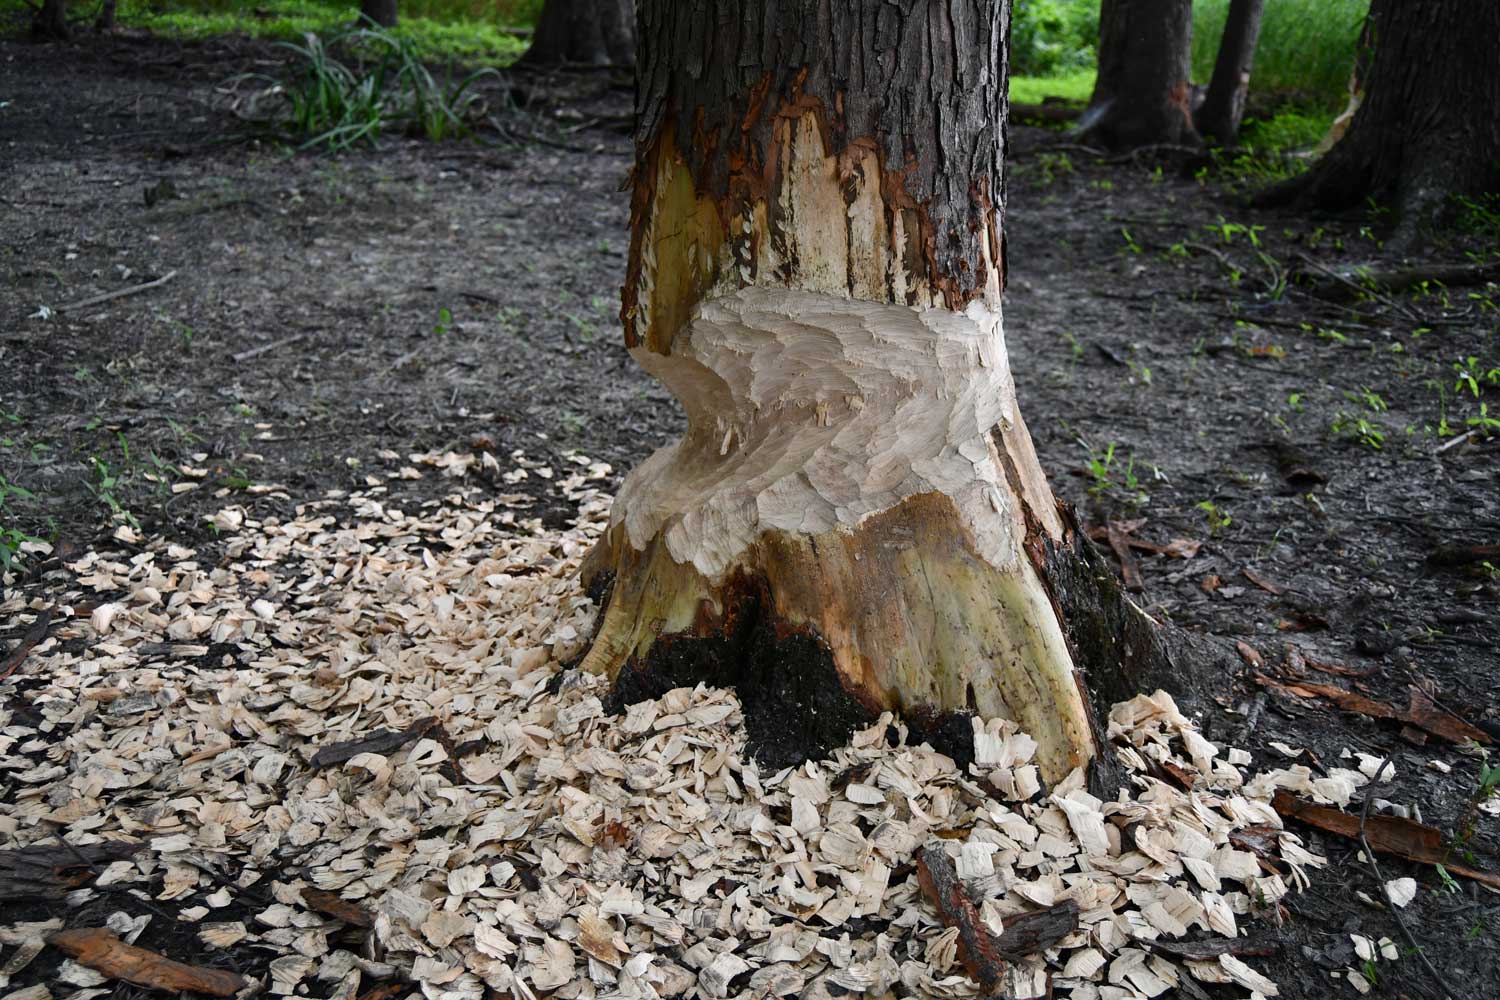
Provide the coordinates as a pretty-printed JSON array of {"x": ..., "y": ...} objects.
[
  {"x": 1142, "y": 96},
  {"x": 855, "y": 520},
  {"x": 382, "y": 12},
  {"x": 584, "y": 33},
  {"x": 51, "y": 20},
  {"x": 1218, "y": 117},
  {"x": 1427, "y": 129}
]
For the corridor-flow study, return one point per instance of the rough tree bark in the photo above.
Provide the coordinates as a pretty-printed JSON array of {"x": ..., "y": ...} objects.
[
  {"x": 1427, "y": 128},
  {"x": 855, "y": 519},
  {"x": 1142, "y": 96},
  {"x": 584, "y": 32},
  {"x": 51, "y": 20},
  {"x": 1218, "y": 117},
  {"x": 382, "y": 12}
]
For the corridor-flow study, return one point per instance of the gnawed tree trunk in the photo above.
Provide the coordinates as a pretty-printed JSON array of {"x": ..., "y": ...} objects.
[
  {"x": 855, "y": 520},
  {"x": 382, "y": 12},
  {"x": 51, "y": 20},
  {"x": 584, "y": 32},
  {"x": 1142, "y": 96},
  {"x": 1427, "y": 128},
  {"x": 1218, "y": 117}
]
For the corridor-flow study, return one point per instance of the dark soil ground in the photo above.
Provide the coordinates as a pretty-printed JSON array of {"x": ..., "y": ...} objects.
[{"x": 415, "y": 298}]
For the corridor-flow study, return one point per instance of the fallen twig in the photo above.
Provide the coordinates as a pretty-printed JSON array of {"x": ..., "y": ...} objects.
[
  {"x": 1364, "y": 818},
  {"x": 1361, "y": 289},
  {"x": 256, "y": 352},
  {"x": 984, "y": 954},
  {"x": 45, "y": 871},
  {"x": 1420, "y": 710},
  {"x": 1405, "y": 838},
  {"x": 95, "y": 300},
  {"x": 34, "y": 635},
  {"x": 381, "y": 741},
  {"x": 100, "y": 950}
]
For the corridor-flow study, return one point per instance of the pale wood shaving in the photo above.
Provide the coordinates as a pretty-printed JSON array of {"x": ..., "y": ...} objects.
[{"x": 526, "y": 842}]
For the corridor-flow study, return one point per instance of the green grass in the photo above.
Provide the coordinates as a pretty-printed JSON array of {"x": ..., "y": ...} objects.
[
  {"x": 1306, "y": 46},
  {"x": 1073, "y": 86},
  {"x": 465, "y": 30}
]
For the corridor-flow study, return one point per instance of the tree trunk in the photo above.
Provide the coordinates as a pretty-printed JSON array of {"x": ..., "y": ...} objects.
[
  {"x": 106, "y": 19},
  {"x": 855, "y": 520},
  {"x": 1224, "y": 105},
  {"x": 584, "y": 32},
  {"x": 1427, "y": 128},
  {"x": 1141, "y": 95},
  {"x": 382, "y": 12},
  {"x": 51, "y": 20}
]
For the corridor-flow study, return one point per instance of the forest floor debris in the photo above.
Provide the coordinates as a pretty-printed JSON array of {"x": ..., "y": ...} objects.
[{"x": 375, "y": 754}]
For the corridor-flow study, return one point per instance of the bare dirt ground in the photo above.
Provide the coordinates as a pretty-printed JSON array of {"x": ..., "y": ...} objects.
[{"x": 330, "y": 317}]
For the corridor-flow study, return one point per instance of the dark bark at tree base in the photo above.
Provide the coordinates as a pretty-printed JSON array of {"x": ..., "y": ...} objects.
[
  {"x": 797, "y": 709},
  {"x": 51, "y": 20},
  {"x": 382, "y": 12},
  {"x": 1427, "y": 130},
  {"x": 1142, "y": 96},
  {"x": 583, "y": 33}
]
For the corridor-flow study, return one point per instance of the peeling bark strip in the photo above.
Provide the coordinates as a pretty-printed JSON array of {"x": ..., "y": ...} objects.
[
  {"x": 815, "y": 272},
  {"x": 984, "y": 954},
  {"x": 101, "y": 951},
  {"x": 381, "y": 741},
  {"x": 908, "y": 97}
]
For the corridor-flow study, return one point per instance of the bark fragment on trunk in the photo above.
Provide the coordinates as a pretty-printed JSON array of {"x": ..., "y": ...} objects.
[
  {"x": 855, "y": 520},
  {"x": 1426, "y": 129},
  {"x": 584, "y": 33},
  {"x": 1142, "y": 95},
  {"x": 1218, "y": 117}
]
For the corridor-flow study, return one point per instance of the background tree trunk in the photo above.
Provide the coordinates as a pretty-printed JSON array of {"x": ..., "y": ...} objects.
[
  {"x": 382, "y": 12},
  {"x": 1142, "y": 95},
  {"x": 1427, "y": 128},
  {"x": 1224, "y": 105},
  {"x": 51, "y": 20},
  {"x": 106, "y": 19},
  {"x": 855, "y": 520},
  {"x": 584, "y": 32}
]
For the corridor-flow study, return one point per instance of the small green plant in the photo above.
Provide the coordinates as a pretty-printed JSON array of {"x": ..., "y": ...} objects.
[
  {"x": 1130, "y": 243},
  {"x": 1483, "y": 423},
  {"x": 444, "y": 322},
  {"x": 1361, "y": 425},
  {"x": 1218, "y": 517},
  {"x": 1472, "y": 375},
  {"x": 12, "y": 538},
  {"x": 1111, "y": 478},
  {"x": 1227, "y": 231},
  {"x": 103, "y": 487}
]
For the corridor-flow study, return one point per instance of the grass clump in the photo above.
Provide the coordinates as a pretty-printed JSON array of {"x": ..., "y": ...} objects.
[
  {"x": 1076, "y": 85},
  {"x": 470, "y": 31},
  {"x": 377, "y": 80},
  {"x": 1306, "y": 47}
]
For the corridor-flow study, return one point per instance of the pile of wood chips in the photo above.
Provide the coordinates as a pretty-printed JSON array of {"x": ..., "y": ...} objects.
[{"x": 371, "y": 703}]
